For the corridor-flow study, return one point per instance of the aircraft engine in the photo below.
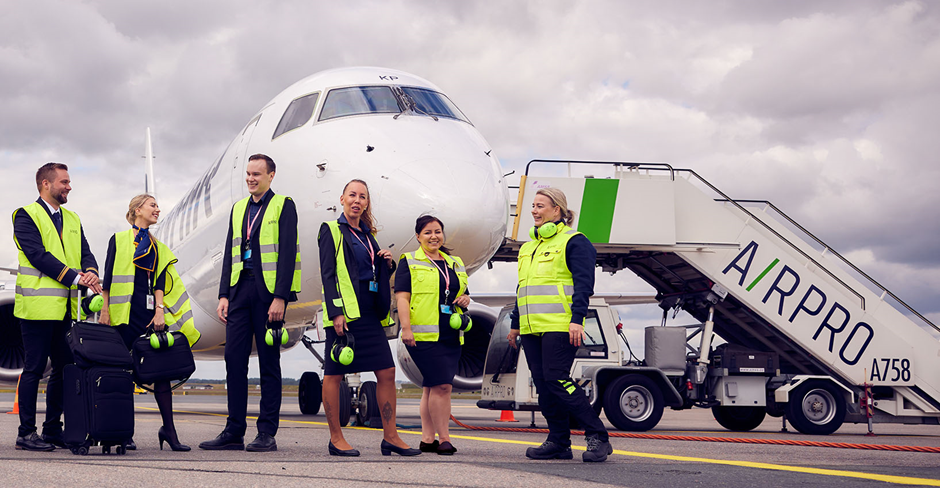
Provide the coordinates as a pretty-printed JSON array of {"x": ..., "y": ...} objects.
[
  {"x": 11, "y": 340},
  {"x": 472, "y": 356}
]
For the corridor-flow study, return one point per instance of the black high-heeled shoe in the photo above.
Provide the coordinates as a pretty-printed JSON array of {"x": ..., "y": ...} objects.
[
  {"x": 428, "y": 446},
  {"x": 388, "y": 448},
  {"x": 172, "y": 441}
]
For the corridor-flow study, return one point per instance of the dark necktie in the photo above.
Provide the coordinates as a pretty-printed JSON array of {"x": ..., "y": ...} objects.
[{"x": 57, "y": 220}]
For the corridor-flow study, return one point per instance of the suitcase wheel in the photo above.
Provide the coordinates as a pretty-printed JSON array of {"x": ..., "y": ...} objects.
[
  {"x": 121, "y": 450},
  {"x": 105, "y": 449},
  {"x": 81, "y": 451}
]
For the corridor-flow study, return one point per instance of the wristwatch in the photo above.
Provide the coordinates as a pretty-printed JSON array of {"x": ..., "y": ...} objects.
[{"x": 160, "y": 306}]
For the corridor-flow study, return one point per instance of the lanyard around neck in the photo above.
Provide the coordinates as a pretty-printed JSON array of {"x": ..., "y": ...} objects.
[
  {"x": 369, "y": 242},
  {"x": 251, "y": 222},
  {"x": 446, "y": 276}
]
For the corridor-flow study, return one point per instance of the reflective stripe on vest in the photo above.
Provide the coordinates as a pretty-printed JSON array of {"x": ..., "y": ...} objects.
[
  {"x": 546, "y": 287},
  {"x": 177, "y": 313},
  {"x": 347, "y": 300},
  {"x": 41, "y": 297},
  {"x": 267, "y": 235},
  {"x": 426, "y": 293}
]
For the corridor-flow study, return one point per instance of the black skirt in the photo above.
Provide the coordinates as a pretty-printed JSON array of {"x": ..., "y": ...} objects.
[
  {"x": 372, "y": 351},
  {"x": 437, "y": 361}
]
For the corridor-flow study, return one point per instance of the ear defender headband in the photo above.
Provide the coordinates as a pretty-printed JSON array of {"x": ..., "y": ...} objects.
[
  {"x": 92, "y": 304},
  {"x": 271, "y": 335},
  {"x": 342, "y": 351},
  {"x": 460, "y": 321},
  {"x": 547, "y": 230},
  {"x": 162, "y": 340}
]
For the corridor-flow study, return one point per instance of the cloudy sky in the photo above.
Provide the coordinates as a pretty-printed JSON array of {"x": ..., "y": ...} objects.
[{"x": 828, "y": 109}]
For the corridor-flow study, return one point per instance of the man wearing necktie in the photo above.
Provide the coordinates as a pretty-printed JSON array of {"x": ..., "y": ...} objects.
[{"x": 54, "y": 259}]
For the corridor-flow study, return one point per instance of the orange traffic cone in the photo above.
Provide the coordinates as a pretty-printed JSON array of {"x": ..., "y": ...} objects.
[
  {"x": 16, "y": 398},
  {"x": 506, "y": 416}
]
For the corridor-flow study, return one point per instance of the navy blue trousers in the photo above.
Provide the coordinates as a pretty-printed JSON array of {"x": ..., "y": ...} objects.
[
  {"x": 42, "y": 340},
  {"x": 550, "y": 357},
  {"x": 247, "y": 316}
]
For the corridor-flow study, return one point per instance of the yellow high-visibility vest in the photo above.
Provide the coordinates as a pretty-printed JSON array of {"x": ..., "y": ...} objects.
[
  {"x": 546, "y": 286},
  {"x": 39, "y": 296},
  {"x": 267, "y": 240},
  {"x": 178, "y": 310},
  {"x": 347, "y": 300},
  {"x": 426, "y": 293}
]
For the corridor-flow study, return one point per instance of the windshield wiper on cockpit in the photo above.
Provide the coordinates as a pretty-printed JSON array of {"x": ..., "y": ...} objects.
[{"x": 410, "y": 105}]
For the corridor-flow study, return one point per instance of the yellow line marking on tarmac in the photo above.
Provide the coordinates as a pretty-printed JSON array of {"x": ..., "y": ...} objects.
[{"x": 904, "y": 480}]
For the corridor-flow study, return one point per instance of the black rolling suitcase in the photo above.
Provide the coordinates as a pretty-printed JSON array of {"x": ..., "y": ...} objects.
[
  {"x": 98, "y": 400},
  {"x": 99, "y": 408}
]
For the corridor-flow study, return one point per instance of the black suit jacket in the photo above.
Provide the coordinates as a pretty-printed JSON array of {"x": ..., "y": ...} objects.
[
  {"x": 328, "y": 270},
  {"x": 28, "y": 238},
  {"x": 287, "y": 252}
]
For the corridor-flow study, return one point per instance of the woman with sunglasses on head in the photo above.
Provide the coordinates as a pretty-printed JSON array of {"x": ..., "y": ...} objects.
[
  {"x": 556, "y": 281},
  {"x": 355, "y": 273},
  {"x": 143, "y": 289},
  {"x": 432, "y": 285}
]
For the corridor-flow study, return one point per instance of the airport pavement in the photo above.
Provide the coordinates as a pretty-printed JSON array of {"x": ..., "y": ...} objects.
[{"x": 484, "y": 458}]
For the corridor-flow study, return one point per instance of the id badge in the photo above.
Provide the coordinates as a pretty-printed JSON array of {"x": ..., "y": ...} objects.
[
  {"x": 150, "y": 302},
  {"x": 446, "y": 309},
  {"x": 374, "y": 286},
  {"x": 247, "y": 254}
]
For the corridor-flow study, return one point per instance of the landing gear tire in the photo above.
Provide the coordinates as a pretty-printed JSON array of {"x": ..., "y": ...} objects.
[
  {"x": 633, "y": 403},
  {"x": 739, "y": 419},
  {"x": 368, "y": 404},
  {"x": 816, "y": 408},
  {"x": 310, "y": 393},
  {"x": 345, "y": 403}
]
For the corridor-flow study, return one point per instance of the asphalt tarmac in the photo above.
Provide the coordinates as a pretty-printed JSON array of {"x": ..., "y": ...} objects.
[{"x": 484, "y": 458}]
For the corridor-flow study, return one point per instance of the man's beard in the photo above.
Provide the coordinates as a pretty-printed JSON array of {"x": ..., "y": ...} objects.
[{"x": 60, "y": 197}]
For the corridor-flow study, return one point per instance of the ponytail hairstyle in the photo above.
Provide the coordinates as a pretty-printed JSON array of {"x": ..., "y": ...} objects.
[
  {"x": 559, "y": 200},
  {"x": 423, "y": 222},
  {"x": 136, "y": 203},
  {"x": 366, "y": 217}
]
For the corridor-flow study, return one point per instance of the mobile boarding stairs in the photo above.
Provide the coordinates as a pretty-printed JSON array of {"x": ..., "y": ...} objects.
[{"x": 788, "y": 293}]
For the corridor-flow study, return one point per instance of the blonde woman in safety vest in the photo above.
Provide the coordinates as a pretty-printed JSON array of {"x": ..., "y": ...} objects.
[
  {"x": 142, "y": 288},
  {"x": 355, "y": 272},
  {"x": 432, "y": 285},
  {"x": 556, "y": 280}
]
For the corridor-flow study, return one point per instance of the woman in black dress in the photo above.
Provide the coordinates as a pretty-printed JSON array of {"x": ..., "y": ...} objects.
[
  {"x": 355, "y": 273},
  {"x": 429, "y": 283},
  {"x": 142, "y": 288}
]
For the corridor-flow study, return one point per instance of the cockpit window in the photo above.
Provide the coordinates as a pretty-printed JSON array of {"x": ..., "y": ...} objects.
[
  {"x": 433, "y": 103},
  {"x": 297, "y": 114},
  {"x": 359, "y": 100}
]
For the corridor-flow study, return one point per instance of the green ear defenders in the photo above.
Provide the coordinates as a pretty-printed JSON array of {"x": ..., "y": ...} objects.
[
  {"x": 162, "y": 340},
  {"x": 545, "y": 231},
  {"x": 460, "y": 321},
  {"x": 273, "y": 332},
  {"x": 92, "y": 304},
  {"x": 342, "y": 350}
]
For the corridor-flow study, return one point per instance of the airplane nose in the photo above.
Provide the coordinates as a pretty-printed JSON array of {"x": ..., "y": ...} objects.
[{"x": 466, "y": 197}]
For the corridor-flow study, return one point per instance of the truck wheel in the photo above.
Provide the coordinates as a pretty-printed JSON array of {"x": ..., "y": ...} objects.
[
  {"x": 739, "y": 419},
  {"x": 816, "y": 408},
  {"x": 310, "y": 393},
  {"x": 633, "y": 403}
]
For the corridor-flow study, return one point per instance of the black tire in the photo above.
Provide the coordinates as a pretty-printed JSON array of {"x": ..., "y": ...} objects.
[
  {"x": 816, "y": 408},
  {"x": 83, "y": 451},
  {"x": 368, "y": 404},
  {"x": 121, "y": 450},
  {"x": 633, "y": 403},
  {"x": 106, "y": 450},
  {"x": 345, "y": 403},
  {"x": 739, "y": 419},
  {"x": 310, "y": 393}
]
